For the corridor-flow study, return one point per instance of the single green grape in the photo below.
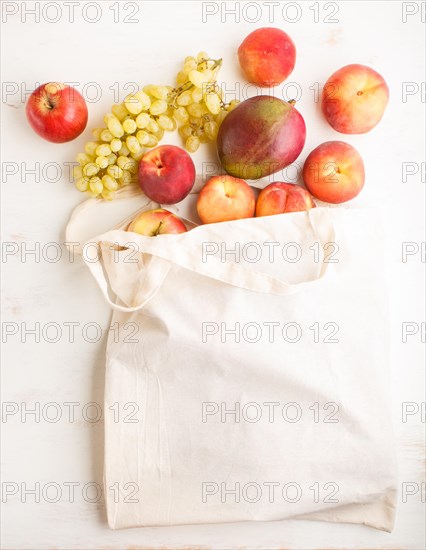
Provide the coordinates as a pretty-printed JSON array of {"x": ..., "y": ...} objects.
[
  {"x": 153, "y": 127},
  {"x": 192, "y": 144},
  {"x": 102, "y": 162},
  {"x": 185, "y": 98},
  {"x": 165, "y": 122},
  {"x": 142, "y": 137},
  {"x": 82, "y": 183},
  {"x": 120, "y": 111},
  {"x": 109, "y": 182},
  {"x": 129, "y": 125},
  {"x": 90, "y": 147},
  {"x": 133, "y": 144},
  {"x": 115, "y": 145},
  {"x": 103, "y": 150},
  {"x": 106, "y": 135},
  {"x": 115, "y": 171},
  {"x": 211, "y": 129},
  {"x": 83, "y": 159},
  {"x": 152, "y": 141},
  {"x": 142, "y": 120},
  {"x": 195, "y": 110},
  {"x": 90, "y": 169},
  {"x": 133, "y": 105},
  {"x": 96, "y": 185},
  {"x": 158, "y": 107},
  {"x": 111, "y": 159},
  {"x": 181, "y": 115}
]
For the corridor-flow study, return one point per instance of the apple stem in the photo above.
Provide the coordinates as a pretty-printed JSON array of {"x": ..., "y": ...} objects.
[
  {"x": 48, "y": 102},
  {"x": 292, "y": 101},
  {"x": 157, "y": 232}
]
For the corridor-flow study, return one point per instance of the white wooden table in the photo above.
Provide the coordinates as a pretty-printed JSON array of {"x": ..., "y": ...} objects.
[{"x": 101, "y": 58}]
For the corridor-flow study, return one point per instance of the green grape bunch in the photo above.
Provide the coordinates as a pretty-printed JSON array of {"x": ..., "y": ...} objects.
[{"x": 194, "y": 106}]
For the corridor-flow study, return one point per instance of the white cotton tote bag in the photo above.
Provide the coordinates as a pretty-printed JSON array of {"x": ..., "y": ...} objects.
[{"x": 258, "y": 367}]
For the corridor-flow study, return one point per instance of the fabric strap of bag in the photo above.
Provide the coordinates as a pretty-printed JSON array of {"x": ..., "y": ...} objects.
[
  {"x": 88, "y": 209},
  {"x": 176, "y": 251},
  {"x": 169, "y": 249}
]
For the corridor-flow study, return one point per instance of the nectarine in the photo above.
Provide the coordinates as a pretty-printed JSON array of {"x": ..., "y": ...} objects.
[
  {"x": 156, "y": 222},
  {"x": 267, "y": 56},
  {"x": 225, "y": 198},
  {"x": 334, "y": 172},
  {"x": 280, "y": 198},
  {"x": 354, "y": 99},
  {"x": 166, "y": 174}
]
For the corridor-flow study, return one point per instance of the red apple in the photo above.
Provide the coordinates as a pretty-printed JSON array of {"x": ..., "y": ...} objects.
[
  {"x": 156, "y": 222},
  {"x": 354, "y": 99},
  {"x": 267, "y": 56},
  {"x": 225, "y": 198},
  {"x": 166, "y": 174},
  {"x": 280, "y": 198},
  {"x": 57, "y": 112},
  {"x": 334, "y": 172}
]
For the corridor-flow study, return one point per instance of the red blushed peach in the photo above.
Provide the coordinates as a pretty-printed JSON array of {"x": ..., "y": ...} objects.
[
  {"x": 156, "y": 222},
  {"x": 166, "y": 174},
  {"x": 334, "y": 172},
  {"x": 225, "y": 198},
  {"x": 280, "y": 198},
  {"x": 267, "y": 56},
  {"x": 354, "y": 99}
]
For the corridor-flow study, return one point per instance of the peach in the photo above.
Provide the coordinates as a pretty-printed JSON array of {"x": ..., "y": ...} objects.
[
  {"x": 334, "y": 172},
  {"x": 166, "y": 174},
  {"x": 225, "y": 198},
  {"x": 280, "y": 198},
  {"x": 267, "y": 56},
  {"x": 156, "y": 222},
  {"x": 354, "y": 99}
]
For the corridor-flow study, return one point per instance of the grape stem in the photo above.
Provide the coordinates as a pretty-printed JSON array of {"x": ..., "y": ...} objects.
[{"x": 176, "y": 92}]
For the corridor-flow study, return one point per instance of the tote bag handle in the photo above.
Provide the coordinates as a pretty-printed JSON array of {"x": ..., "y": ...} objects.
[{"x": 184, "y": 250}]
